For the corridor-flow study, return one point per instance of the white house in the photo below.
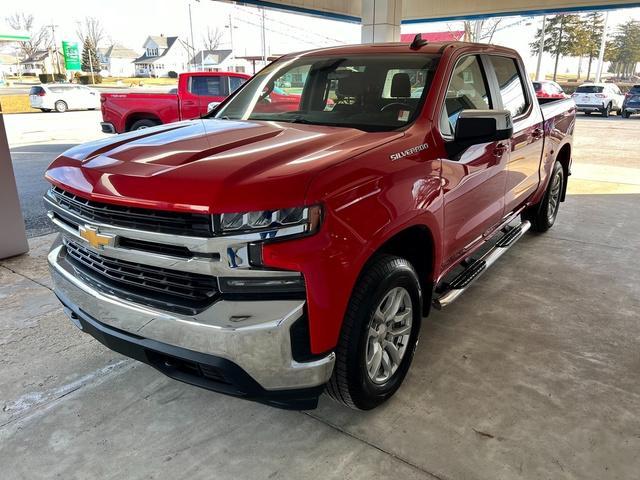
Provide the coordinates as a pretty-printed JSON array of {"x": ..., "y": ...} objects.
[
  {"x": 117, "y": 61},
  {"x": 8, "y": 65},
  {"x": 161, "y": 55},
  {"x": 219, "y": 61},
  {"x": 42, "y": 61}
]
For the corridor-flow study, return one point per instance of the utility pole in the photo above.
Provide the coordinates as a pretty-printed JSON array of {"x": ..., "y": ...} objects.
[
  {"x": 264, "y": 41},
  {"x": 193, "y": 45},
  {"x": 55, "y": 46},
  {"x": 541, "y": 49},
  {"x": 603, "y": 43},
  {"x": 231, "y": 27},
  {"x": 93, "y": 80}
]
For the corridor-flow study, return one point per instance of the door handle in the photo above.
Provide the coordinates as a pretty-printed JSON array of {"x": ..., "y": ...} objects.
[{"x": 537, "y": 133}]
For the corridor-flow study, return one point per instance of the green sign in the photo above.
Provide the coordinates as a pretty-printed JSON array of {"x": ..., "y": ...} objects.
[{"x": 71, "y": 55}]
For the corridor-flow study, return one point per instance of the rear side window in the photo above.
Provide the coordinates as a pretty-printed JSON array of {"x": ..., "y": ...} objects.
[
  {"x": 467, "y": 91},
  {"x": 36, "y": 90},
  {"x": 235, "y": 82},
  {"x": 537, "y": 86},
  {"x": 510, "y": 83},
  {"x": 206, "y": 86},
  {"x": 589, "y": 89}
]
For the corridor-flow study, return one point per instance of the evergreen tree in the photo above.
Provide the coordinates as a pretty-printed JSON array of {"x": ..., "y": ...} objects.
[
  {"x": 559, "y": 37},
  {"x": 90, "y": 58},
  {"x": 592, "y": 25},
  {"x": 623, "y": 49}
]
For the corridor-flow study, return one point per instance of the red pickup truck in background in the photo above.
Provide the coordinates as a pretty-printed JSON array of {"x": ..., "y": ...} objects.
[
  {"x": 122, "y": 112},
  {"x": 273, "y": 252}
]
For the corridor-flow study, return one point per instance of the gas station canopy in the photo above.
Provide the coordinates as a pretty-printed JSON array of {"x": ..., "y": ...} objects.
[{"x": 414, "y": 11}]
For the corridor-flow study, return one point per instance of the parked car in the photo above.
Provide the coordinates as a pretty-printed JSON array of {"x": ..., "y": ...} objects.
[
  {"x": 273, "y": 254},
  {"x": 631, "y": 103},
  {"x": 546, "y": 89},
  {"x": 63, "y": 97},
  {"x": 123, "y": 112},
  {"x": 598, "y": 97},
  {"x": 275, "y": 98}
]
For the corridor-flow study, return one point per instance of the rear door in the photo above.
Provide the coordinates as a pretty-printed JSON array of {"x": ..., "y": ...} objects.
[
  {"x": 525, "y": 153},
  {"x": 474, "y": 192},
  {"x": 202, "y": 90}
]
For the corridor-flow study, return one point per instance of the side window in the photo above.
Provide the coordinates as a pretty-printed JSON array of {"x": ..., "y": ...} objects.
[
  {"x": 467, "y": 91},
  {"x": 235, "y": 82},
  {"x": 511, "y": 86},
  {"x": 206, "y": 86}
]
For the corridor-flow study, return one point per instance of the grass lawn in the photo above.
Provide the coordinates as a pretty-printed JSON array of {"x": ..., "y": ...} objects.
[{"x": 15, "y": 104}]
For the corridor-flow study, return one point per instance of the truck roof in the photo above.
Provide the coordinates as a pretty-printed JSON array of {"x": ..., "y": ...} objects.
[{"x": 398, "y": 47}]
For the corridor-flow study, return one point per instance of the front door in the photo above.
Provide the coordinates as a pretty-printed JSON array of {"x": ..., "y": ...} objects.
[{"x": 474, "y": 192}]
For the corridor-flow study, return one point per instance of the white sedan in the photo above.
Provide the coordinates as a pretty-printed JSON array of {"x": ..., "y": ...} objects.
[{"x": 62, "y": 97}]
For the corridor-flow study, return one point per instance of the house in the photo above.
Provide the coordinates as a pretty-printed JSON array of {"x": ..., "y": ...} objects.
[
  {"x": 218, "y": 61},
  {"x": 161, "y": 56},
  {"x": 8, "y": 65},
  {"x": 42, "y": 61},
  {"x": 117, "y": 61}
]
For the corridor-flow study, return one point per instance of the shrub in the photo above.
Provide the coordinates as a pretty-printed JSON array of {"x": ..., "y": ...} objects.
[
  {"x": 172, "y": 74},
  {"x": 86, "y": 79},
  {"x": 50, "y": 77}
]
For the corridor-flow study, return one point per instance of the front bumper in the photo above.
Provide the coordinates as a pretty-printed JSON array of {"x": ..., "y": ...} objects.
[{"x": 247, "y": 344}]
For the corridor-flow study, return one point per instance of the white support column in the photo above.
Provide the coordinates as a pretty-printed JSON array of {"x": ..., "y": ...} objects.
[
  {"x": 381, "y": 21},
  {"x": 13, "y": 238}
]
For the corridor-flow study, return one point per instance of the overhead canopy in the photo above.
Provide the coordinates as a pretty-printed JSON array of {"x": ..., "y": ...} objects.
[
  {"x": 14, "y": 37},
  {"x": 414, "y": 11}
]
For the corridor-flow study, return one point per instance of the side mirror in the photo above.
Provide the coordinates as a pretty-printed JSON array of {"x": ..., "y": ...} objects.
[{"x": 480, "y": 126}]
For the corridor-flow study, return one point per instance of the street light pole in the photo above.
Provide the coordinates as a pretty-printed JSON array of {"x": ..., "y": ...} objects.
[
  {"x": 55, "y": 46},
  {"x": 541, "y": 49},
  {"x": 193, "y": 45},
  {"x": 603, "y": 43}
]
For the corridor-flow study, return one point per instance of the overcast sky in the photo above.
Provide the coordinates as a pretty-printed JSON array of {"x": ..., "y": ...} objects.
[{"x": 130, "y": 22}]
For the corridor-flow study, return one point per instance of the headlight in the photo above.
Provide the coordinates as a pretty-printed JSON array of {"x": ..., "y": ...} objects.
[{"x": 269, "y": 224}]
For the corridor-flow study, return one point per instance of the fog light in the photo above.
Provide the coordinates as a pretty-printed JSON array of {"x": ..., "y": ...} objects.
[{"x": 289, "y": 284}]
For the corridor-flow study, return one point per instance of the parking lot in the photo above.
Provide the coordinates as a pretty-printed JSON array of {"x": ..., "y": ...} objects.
[{"x": 541, "y": 382}]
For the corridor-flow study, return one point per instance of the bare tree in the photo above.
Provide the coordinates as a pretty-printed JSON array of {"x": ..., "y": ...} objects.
[
  {"x": 39, "y": 37},
  {"x": 481, "y": 30},
  {"x": 212, "y": 38},
  {"x": 91, "y": 30}
]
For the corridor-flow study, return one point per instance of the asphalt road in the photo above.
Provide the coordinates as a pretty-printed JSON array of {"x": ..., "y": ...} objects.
[{"x": 36, "y": 139}]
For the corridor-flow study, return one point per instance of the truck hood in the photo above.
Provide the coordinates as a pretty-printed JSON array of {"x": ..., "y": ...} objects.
[{"x": 209, "y": 165}]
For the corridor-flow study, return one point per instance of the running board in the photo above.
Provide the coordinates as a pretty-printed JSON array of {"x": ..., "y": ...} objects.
[{"x": 461, "y": 282}]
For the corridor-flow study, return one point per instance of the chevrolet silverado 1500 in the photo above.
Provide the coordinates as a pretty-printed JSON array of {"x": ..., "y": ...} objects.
[
  {"x": 122, "y": 112},
  {"x": 274, "y": 254}
]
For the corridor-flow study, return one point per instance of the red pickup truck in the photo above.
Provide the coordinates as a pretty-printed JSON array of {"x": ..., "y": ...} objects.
[
  {"x": 274, "y": 253},
  {"x": 123, "y": 112}
]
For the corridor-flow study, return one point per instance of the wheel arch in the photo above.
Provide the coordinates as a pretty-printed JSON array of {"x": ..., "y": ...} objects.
[
  {"x": 135, "y": 116},
  {"x": 564, "y": 157},
  {"x": 416, "y": 244}
]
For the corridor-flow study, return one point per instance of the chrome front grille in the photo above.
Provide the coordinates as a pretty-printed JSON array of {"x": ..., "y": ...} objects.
[
  {"x": 178, "y": 223},
  {"x": 173, "y": 290}
]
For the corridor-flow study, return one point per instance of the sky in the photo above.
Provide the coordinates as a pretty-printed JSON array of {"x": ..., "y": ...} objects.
[{"x": 130, "y": 22}]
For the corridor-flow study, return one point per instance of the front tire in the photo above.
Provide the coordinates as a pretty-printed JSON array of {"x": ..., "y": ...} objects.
[
  {"x": 61, "y": 106},
  {"x": 543, "y": 215},
  {"x": 379, "y": 334}
]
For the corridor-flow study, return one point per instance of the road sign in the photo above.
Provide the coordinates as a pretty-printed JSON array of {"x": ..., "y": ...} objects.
[{"x": 71, "y": 55}]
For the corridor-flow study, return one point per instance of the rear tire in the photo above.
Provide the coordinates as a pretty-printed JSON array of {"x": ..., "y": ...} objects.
[
  {"x": 606, "y": 111},
  {"x": 144, "y": 123},
  {"x": 61, "y": 106},
  {"x": 379, "y": 334},
  {"x": 543, "y": 215}
]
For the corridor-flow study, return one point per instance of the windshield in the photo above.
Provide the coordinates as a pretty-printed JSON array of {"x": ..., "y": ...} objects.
[{"x": 368, "y": 92}]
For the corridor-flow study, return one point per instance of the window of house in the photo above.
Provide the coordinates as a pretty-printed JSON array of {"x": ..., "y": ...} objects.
[
  {"x": 467, "y": 90},
  {"x": 511, "y": 87},
  {"x": 239, "y": 69},
  {"x": 152, "y": 52}
]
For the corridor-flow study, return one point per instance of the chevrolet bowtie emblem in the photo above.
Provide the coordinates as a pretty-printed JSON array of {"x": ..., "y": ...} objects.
[{"x": 94, "y": 237}]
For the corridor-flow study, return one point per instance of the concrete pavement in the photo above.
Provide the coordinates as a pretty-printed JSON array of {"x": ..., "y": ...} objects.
[{"x": 531, "y": 374}]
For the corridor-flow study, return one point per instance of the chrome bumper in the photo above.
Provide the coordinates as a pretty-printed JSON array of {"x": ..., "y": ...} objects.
[
  {"x": 107, "y": 127},
  {"x": 252, "y": 334}
]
